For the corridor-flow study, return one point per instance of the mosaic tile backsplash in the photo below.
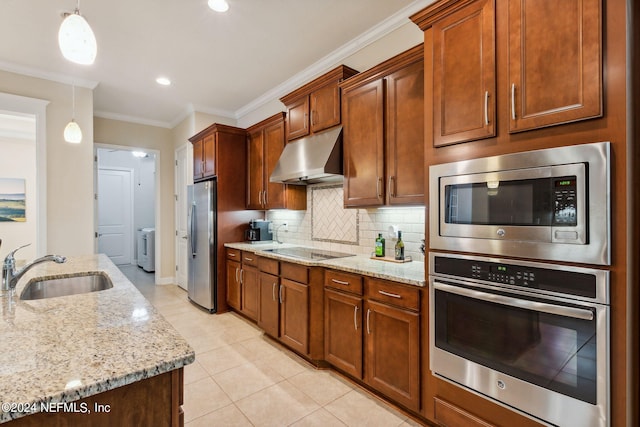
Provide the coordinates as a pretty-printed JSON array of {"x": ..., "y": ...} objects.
[{"x": 327, "y": 225}]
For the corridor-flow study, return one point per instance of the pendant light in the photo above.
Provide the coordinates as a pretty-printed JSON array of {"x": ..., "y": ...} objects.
[
  {"x": 76, "y": 39},
  {"x": 72, "y": 132},
  {"x": 218, "y": 5}
]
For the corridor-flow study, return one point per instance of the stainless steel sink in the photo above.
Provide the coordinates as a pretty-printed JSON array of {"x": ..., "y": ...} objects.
[{"x": 80, "y": 284}]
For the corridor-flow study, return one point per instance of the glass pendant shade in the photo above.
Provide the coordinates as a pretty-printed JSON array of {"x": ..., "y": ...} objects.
[
  {"x": 219, "y": 5},
  {"x": 76, "y": 40},
  {"x": 73, "y": 133}
]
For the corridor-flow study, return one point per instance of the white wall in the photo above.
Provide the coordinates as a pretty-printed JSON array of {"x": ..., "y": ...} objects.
[
  {"x": 18, "y": 160},
  {"x": 69, "y": 203}
]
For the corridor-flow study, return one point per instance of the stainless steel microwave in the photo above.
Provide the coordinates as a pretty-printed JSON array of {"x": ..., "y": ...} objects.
[{"x": 548, "y": 204}]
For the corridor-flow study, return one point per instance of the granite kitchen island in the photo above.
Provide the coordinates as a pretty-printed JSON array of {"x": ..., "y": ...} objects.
[{"x": 98, "y": 358}]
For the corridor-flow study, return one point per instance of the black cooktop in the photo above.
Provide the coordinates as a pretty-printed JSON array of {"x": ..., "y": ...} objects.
[{"x": 309, "y": 253}]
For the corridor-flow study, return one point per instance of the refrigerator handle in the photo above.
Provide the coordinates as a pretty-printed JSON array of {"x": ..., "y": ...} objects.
[{"x": 192, "y": 230}]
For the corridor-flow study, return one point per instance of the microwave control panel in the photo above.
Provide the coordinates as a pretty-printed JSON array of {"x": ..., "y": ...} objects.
[{"x": 564, "y": 200}]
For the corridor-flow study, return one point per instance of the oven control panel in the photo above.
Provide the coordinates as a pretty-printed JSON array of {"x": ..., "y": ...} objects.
[{"x": 514, "y": 275}]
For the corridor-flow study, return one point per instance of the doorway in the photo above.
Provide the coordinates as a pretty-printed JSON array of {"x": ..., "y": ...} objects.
[{"x": 126, "y": 206}]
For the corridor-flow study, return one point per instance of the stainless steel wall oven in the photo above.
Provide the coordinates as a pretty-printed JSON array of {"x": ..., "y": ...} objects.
[
  {"x": 532, "y": 336},
  {"x": 545, "y": 204}
]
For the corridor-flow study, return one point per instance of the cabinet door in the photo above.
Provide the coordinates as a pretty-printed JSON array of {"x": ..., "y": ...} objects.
[
  {"x": 250, "y": 292},
  {"x": 198, "y": 166},
  {"x": 343, "y": 331},
  {"x": 392, "y": 360},
  {"x": 363, "y": 139},
  {"x": 298, "y": 118},
  {"x": 294, "y": 315},
  {"x": 464, "y": 75},
  {"x": 555, "y": 62},
  {"x": 405, "y": 136},
  {"x": 269, "y": 313},
  {"x": 273, "y": 145},
  {"x": 209, "y": 155},
  {"x": 233, "y": 284},
  {"x": 325, "y": 107},
  {"x": 255, "y": 170}
]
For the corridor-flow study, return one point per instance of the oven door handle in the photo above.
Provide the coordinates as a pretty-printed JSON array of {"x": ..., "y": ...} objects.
[{"x": 575, "y": 313}]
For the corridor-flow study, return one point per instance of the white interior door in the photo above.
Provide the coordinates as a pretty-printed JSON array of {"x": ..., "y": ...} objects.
[
  {"x": 181, "y": 182},
  {"x": 115, "y": 214}
]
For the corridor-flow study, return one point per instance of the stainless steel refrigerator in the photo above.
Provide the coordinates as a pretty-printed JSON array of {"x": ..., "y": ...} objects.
[{"x": 202, "y": 244}]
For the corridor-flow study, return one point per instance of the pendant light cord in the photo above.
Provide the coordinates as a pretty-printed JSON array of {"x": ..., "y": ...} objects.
[{"x": 73, "y": 101}]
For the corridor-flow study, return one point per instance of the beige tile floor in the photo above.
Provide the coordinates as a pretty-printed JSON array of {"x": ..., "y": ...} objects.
[{"x": 242, "y": 378}]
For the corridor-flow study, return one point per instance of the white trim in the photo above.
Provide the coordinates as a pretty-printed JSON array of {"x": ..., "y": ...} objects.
[
  {"x": 131, "y": 119},
  {"x": 38, "y": 108},
  {"x": 166, "y": 281},
  {"x": 47, "y": 75}
]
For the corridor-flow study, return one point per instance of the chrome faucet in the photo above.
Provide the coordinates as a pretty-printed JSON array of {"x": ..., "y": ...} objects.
[{"x": 10, "y": 275}]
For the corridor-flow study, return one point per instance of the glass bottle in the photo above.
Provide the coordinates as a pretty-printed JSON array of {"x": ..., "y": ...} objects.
[
  {"x": 380, "y": 245},
  {"x": 399, "y": 247}
]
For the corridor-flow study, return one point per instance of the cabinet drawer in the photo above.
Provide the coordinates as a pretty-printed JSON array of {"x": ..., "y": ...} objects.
[
  {"x": 269, "y": 265},
  {"x": 297, "y": 273},
  {"x": 393, "y": 294},
  {"x": 233, "y": 254},
  {"x": 450, "y": 415},
  {"x": 249, "y": 259},
  {"x": 343, "y": 281}
]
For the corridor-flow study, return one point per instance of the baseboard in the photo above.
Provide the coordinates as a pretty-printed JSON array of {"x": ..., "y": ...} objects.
[{"x": 165, "y": 281}]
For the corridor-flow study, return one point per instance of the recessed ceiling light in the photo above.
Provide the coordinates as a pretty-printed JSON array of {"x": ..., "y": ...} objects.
[
  {"x": 163, "y": 81},
  {"x": 219, "y": 5}
]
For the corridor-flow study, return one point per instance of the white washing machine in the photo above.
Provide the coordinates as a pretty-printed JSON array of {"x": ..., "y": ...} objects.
[{"x": 146, "y": 249}]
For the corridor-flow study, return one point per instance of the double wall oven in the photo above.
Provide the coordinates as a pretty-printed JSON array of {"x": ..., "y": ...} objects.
[{"x": 522, "y": 316}]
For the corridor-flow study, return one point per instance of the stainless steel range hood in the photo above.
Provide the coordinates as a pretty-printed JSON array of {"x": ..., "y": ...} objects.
[{"x": 312, "y": 159}]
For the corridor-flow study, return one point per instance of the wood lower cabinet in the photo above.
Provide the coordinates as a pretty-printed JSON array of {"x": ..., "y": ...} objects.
[
  {"x": 343, "y": 331},
  {"x": 233, "y": 284},
  {"x": 449, "y": 415},
  {"x": 269, "y": 313},
  {"x": 154, "y": 401},
  {"x": 383, "y": 135},
  {"x": 250, "y": 292},
  {"x": 243, "y": 288},
  {"x": 379, "y": 331},
  {"x": 294, "y": 315}
]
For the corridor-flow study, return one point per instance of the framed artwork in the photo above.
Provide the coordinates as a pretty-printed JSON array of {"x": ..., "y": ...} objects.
[{"x": 12, "y": 200}]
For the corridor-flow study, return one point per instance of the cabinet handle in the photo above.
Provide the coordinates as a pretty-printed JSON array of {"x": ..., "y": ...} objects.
[
  {"x": 368, "y": 314},
  {"x": 390, "y": 186},
  {"x": 241, "y": 276},
  {"x": 265, "y": 197},
  {"x": 378, "y": 182},
  {"x": 273, "y": 291},
  {"x": 340, "y": 282},
  {"x": 355, "y": 317},
  {"x": 513, "y": 101},
  {"x": 389, "y": 294},
  {"x": 306, "y": 118},
  {"x": 280, "y": 296},
  {"x": 486, "y": 108},
  {"x": 232, "y": 255},
  {"x": 237, "y": 279},
  {"x": 248, "y": 259}
]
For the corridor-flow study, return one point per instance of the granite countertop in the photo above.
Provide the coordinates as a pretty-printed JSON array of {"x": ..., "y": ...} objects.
[
  {"x": 410, "y": 273},
  {"x": 66, "y": 348}
]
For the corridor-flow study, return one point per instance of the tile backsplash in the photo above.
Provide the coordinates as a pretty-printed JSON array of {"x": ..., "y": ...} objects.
[{"x": 326, "y": 224}]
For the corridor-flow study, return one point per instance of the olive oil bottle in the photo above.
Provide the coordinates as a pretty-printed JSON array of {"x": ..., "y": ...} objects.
[{"x": 380, "y": 245}]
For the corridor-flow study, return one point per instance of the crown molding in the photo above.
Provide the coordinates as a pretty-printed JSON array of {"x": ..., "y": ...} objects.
[{"x": 46, "y": 75}]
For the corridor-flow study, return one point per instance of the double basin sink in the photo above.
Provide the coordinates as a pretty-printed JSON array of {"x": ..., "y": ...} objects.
[{"x": 58, "y": 287}]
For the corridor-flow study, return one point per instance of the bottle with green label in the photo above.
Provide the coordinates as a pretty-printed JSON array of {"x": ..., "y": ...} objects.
[
  {"x": 380, "y": 245},
  {"x": 399, "y": 247}
]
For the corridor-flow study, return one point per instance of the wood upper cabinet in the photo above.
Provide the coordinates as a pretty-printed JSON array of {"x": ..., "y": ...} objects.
[
  {"x": 555, "y": 62},
  {"x": 264, "y": 146},
  {"x": 363, "y": 145},
  {"x": 548, "y": 70},
  {"x": 383, "y": 137},
  {"x": 206, "y": 145},
  {"x": 464, "y": 70},
  {"x": 316, "y": 105},
  {"x": 204, "y": 157}
]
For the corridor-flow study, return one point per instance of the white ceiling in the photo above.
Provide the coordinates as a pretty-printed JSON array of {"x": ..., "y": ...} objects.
[{"x": 224, "y": 64}]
